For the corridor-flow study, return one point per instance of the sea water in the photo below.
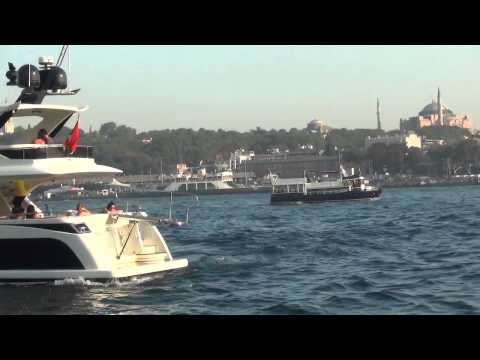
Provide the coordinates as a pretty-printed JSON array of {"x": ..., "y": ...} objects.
[{"x": 414, "y": 251}]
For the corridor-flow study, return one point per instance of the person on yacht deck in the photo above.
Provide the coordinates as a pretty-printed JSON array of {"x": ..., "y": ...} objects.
[
  {"x": 21, "y": 201},
  {"x": 32, "y": 213},
  {"x": 82, "y": 210},
  {"x": 111, "y": 208},
  {"x": 42, "y": 138},
  {"x": 26, "y": 203},
  {"x": 18, "y": 212}
]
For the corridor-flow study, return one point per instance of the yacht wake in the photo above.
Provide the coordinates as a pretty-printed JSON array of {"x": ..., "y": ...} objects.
[
  {"x": 80, "y": 281},
  {"x": 133, "y": 280},
  {"x": 76, "y": 282}
]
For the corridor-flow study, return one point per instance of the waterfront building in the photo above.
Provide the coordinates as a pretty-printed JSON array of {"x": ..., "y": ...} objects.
[
  {"x": 291, "y": 164},
  {"x": 429, "y": 143},
  {"x": 239, "y": 156},
  {"x": 181, "y": 168},
  {"x": 220, "y": 165},
  {"x": 410, "y": 139},
  {"x": 383, "y": 139}
]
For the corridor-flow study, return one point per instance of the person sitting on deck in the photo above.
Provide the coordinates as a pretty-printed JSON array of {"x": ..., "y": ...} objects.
[
  {"x": 32, "y": 213},
  {"x": 111, "y": 208},
  {"x": 18, "y": 212},
  {"x": 21, "y": 201},
  {"x": 82, "y": 210},
  {"x": 42, "y": 138},
  {"x": 26, "y": 203},
  {"x": 18, "y": 209}
]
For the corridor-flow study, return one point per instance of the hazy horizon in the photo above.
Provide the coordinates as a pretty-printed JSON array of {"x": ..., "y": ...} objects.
[{"x": 273, "y": 87}]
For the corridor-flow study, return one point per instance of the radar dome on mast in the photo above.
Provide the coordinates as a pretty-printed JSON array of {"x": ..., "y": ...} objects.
[
  {"x": 28, "y": 76},
  {"x": 51, "y": 79}
]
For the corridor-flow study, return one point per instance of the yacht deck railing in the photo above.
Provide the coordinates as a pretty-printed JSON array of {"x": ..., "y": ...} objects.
[{"x": 36, "y": 152}]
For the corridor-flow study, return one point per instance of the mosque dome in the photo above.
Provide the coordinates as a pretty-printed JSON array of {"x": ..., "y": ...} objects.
[
  {"x": 432, "y": 109},
  {"x": 315, "y": 123},
  {"x": 317, "y": 126}
]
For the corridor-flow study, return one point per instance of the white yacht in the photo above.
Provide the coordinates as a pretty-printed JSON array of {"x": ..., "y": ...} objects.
[
  {"x": 197, "y": 184},
  {"x": 96, "y": 246}
]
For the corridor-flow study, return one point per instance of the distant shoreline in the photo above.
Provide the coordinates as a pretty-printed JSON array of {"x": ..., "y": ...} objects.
[
  {"x": 391, "y": 186},
  {"x": 161, "y": 194}
]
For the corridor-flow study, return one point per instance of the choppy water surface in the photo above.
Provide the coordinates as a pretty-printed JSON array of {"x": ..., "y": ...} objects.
[{"x": 415, "y": 251}]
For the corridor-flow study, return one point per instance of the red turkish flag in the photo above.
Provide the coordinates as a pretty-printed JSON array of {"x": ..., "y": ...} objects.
[{"x": 72, "y": 139}]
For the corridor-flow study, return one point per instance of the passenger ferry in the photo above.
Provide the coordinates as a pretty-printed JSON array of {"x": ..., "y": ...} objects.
[{"x": 311, "y": 190}]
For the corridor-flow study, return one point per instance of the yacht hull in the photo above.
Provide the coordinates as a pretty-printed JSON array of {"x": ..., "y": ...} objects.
[
  {"x": 93, "y": 275},
  {"x": 95, "y": 247}
]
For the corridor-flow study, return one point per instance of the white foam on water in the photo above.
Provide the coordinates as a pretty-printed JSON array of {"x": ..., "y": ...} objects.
[
  {"x": 80, "y": 281},
  {"x": 76, "y": 282},
  {"x": 131, "y": 281}
]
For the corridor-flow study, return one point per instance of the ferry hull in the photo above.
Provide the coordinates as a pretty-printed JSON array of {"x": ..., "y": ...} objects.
[{"x": 323, "y": 197}]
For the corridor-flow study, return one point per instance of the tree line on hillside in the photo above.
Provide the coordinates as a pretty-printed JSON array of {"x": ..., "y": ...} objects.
[{"x": 122, "y": 147}]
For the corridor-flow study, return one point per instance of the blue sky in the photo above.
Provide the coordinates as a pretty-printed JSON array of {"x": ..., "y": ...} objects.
[{"x": 242, "y": 87}]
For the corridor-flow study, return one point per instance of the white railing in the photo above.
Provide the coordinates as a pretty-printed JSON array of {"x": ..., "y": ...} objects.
[{"x": 34, "y": 152}]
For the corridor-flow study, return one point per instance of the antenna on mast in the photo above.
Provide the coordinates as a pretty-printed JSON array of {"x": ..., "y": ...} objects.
[
  {"x": 65, "y": 51},
  {"x": 62, "y": 55},
  {"x": 69, "y": 73}
]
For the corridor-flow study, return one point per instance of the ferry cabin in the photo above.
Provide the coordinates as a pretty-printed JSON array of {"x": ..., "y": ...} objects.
[
  {"x": 306, "y": 190},
  {"x": 304, "y": 185}
]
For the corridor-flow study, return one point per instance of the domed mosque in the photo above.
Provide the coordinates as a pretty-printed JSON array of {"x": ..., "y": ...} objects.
[
  {"x": 432, "y": 109},
  {"x": 318, "y": 127},
  {"x": 431, "y": 115}
]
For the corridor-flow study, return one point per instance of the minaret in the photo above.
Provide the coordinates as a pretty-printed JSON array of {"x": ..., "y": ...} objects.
[
  {"x": 379, "y": 124},
  {"x": 439, "y": 104}
]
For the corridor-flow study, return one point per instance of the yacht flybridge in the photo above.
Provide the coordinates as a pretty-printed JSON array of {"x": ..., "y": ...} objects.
[{"x": 95, "y": 246}]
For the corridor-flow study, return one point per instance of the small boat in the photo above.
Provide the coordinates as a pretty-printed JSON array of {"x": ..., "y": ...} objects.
[
  {"x": 135, "y": 210},
  {"x": 312, "y": 190},
  {"x": 171, "y": 221}
]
